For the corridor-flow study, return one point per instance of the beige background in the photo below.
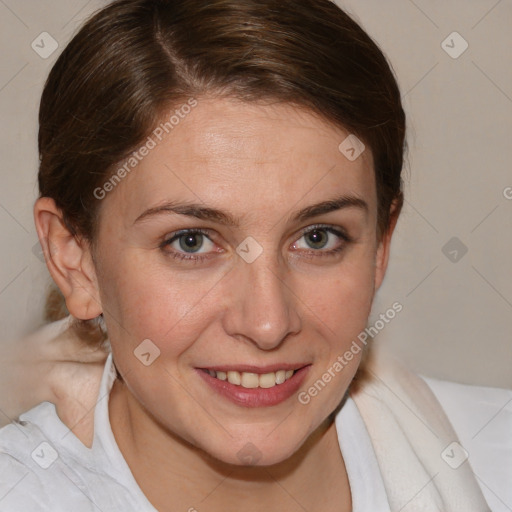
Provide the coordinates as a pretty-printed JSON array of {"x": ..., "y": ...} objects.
[{"x": 457, "y": 316}]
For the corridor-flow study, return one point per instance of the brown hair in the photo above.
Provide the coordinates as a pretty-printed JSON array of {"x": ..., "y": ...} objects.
[{"x": 135, "y": 59}]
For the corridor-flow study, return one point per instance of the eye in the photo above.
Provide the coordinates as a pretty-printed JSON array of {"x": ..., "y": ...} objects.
[
  {"x": 187, "y": 243},
  {"x": 195, "y": 245},
  {"x": 325, "y": 240}
]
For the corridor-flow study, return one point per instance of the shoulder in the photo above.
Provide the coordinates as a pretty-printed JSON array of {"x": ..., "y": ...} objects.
[
  {"x": 478, "y": 413},
  {"x": 44, "y": 467},
  {"x": 35, "y": 467},
  {"x": 22, "y": 486},
  {"x": 20, "y": 489},
  {"x": 482, "y": 419}
]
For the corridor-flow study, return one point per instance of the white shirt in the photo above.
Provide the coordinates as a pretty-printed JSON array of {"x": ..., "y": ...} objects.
[
  {"x": 44, "y": 467},
  {"x": 482, "y": 418}
]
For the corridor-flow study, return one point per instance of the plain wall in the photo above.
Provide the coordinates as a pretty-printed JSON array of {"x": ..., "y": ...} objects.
[{"x": 457, "y": 311}]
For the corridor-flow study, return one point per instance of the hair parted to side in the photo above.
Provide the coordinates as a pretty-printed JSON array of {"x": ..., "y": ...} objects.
[{"x": 135, "y": 60}]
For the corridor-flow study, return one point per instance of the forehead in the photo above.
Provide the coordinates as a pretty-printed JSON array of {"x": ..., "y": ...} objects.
[{"x": 248, "y": 157}]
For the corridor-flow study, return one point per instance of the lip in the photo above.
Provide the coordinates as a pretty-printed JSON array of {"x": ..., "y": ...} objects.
[{"x": 255, "y": 397}]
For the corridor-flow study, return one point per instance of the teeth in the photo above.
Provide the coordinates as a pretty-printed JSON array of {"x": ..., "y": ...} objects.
[
  {"x": 234, "y": 378},
  {"x": 250, "y": 380},
  {"x": 280, "y": 376},
  {"x": 268, "y": 380},
  {"x": 253, "y": 380}
]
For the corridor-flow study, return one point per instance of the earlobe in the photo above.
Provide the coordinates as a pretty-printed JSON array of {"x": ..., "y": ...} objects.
[{"x": 69, "y": 261}]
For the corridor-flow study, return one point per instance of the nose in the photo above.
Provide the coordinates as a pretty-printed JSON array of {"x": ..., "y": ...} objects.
[{"x": 262, "y": 308}]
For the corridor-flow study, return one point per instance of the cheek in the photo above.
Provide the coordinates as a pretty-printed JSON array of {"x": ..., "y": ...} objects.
[
  {"x": 340, "y": 310},
  {"x": 154, "y": 302},
  {"x": 343, "y": 299}
]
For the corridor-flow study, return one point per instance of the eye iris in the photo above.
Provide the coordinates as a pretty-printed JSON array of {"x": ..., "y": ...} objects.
[
  {"x": 318, "y": 238},
  {"x": 191, "y": 242}
]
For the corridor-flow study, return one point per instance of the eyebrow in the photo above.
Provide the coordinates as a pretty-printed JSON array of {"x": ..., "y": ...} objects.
[{"x": 199, "y": 211}]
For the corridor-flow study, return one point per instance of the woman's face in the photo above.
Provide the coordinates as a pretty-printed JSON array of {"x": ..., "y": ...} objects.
[{"x": 281, "y": 276}]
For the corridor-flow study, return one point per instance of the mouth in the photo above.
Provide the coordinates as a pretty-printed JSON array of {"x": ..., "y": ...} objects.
[
  {"x": 255, "y": 387},
  {"x": 251, "y": 380}
]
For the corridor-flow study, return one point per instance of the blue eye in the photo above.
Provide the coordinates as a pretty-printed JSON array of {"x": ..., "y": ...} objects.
[
  {"x": 322, "y": 239},
  {"x": 317, "y": 238},
  {"x": 191, "y": 242},
  {"x": 195, "y": 245},
  {"x": 186, "y": 244}
]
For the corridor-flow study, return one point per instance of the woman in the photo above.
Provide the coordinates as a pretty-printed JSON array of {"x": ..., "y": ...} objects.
[{"x": 219, "y": 185}]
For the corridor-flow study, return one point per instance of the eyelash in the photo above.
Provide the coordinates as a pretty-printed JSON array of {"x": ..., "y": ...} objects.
[{"x": 313, "y": 253}]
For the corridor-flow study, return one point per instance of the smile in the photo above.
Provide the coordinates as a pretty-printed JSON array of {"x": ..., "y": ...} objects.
[
  {"x": 250, "y": 380},
  {"x": 257, "y": 388}
]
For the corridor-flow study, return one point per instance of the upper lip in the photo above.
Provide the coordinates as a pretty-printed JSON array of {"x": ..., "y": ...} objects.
[{"x": 247, "y": 368}]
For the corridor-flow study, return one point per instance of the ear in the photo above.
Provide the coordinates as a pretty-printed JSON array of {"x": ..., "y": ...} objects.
[
  {"x": 382, "y": 256},
  {"x": 69, "y": 261}
]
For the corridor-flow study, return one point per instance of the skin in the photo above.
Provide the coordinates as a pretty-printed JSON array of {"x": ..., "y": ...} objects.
[{"x": 294, "y": 303}]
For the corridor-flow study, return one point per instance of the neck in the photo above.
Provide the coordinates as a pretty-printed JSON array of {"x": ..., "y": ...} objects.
[{"x": 172, "y": 473}]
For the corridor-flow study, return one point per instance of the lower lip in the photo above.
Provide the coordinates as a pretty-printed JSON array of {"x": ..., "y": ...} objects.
[{"x": 256, "y": 397}]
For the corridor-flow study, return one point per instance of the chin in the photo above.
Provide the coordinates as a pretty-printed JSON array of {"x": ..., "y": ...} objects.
[
  {"x": 249, "y": 454},
  {"x": 262, "y": 450}
]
